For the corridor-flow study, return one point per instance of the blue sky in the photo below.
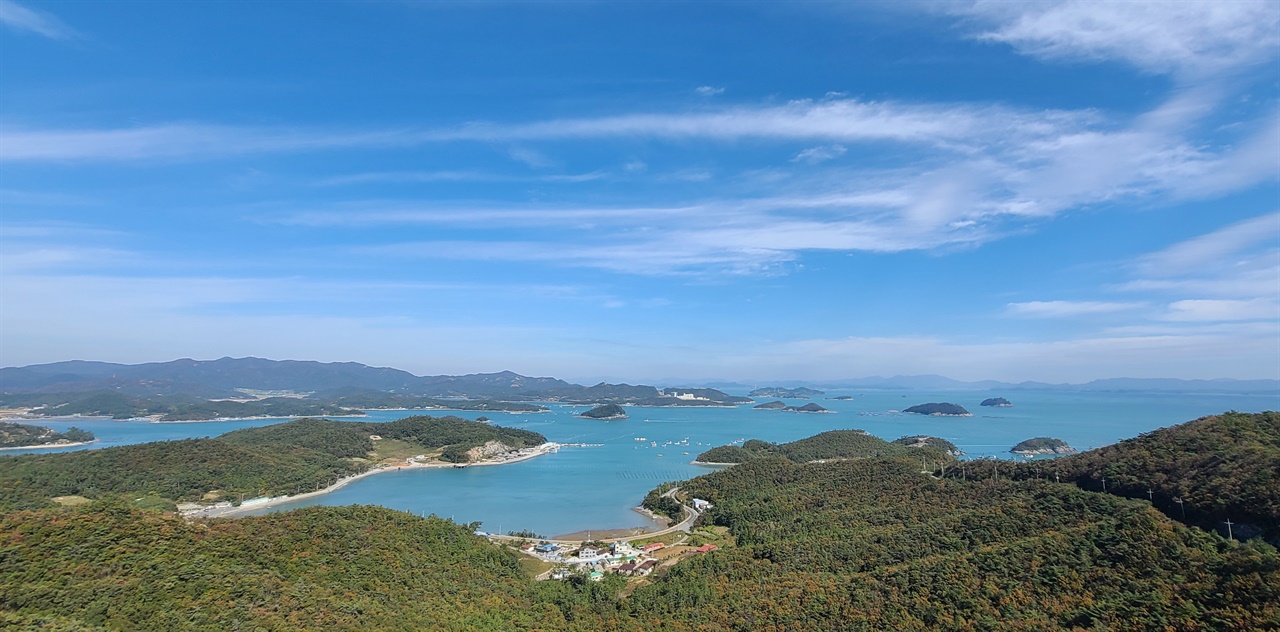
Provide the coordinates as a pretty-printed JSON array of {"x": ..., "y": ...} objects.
[{"x": 1056, "y": 191}]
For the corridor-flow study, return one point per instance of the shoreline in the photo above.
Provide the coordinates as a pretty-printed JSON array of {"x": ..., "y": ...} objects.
[
  {"x": 711, "y": 463},
  {"x": 273, "y": 501},
  {"x": 74, "y": 444},
  {"x": 657, "y": 523}
]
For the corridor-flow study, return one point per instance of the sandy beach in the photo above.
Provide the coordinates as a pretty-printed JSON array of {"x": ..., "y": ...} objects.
[
  {"x": 50, "y": 445},
  {"x": 229, "y": 512}
]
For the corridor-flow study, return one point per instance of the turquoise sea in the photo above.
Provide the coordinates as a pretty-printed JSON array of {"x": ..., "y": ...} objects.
[{"x": 595, "y": 487}]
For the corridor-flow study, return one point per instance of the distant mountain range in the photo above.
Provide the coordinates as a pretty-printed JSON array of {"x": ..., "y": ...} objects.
[
  {"x": 338, "y": 383},
  {"x": 1118, "y": 384},
  {"x": 228, "y": 377}
]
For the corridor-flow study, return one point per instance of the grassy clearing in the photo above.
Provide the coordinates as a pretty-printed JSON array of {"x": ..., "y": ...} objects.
[
  {"x": 533, "y": 566},
  {"x": 71, "y": 501},
  {"x": 397, "y": 450}
]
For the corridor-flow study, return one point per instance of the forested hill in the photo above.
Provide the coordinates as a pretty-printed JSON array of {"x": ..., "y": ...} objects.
[
  {"x": 833, "y": 444},
  {"x": 318, "y": 568},
  {"x": 1223, "y": 467},
  {"x": 287, "y": 458},
  {"x": 872, "y": 544}
]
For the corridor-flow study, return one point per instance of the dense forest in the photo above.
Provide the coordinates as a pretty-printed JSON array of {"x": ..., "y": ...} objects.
[
  {"x": 13, "y": 435},
  {"x": 866, "y": 543},
  {"x": 287, "y": 458}
]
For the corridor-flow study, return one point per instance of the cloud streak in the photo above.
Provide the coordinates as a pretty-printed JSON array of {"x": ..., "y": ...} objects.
[
  {"x": 1067, "y": 309},
  {"x": 20, "y": 18}
]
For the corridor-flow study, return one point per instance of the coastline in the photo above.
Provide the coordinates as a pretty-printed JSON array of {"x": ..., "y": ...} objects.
[
  {"x": 231, "y": 512},
  {"x": 50, "y": 445},
  {"x": 657, "y": 523},
  {"x": 710, "y": 463}
]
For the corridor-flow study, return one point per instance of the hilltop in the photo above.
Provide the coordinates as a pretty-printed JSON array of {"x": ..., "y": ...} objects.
[{"x": 833, "y": 444}]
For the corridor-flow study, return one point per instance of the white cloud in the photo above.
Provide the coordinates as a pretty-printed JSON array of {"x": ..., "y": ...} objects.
[
  {"x": 1161, "y": 37},
  {"x": 821, "y": 153},
  {"x": 1067, "y": 309},
  {"x": 18, "y": 17},
  {"x": 708, "y": 91}
]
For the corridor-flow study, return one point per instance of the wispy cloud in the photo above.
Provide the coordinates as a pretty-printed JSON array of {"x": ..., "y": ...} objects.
[
  {"x": 1225, "y": 310},
  {"x": 1224, "y": 246},
  {"x": 821, "y": 153},
  {"x": 20, "y": 18},
  {"x": 708, "y": 91},
  {"x": 1067, "y": 309},
  {"x": 379, "y": 177},
  {"x": 185, "y": 141}
]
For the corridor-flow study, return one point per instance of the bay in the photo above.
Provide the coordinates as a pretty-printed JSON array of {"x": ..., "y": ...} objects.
[{"x": 595, "y": 486}]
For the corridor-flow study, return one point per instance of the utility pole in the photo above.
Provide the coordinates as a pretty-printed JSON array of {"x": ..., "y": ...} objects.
[
  {"x": 1181, "y": 506},
  {"x": 1104, "y": 484},
  {"x": 1230, "y": 536},
  {"x": 1151, "y": 496}
]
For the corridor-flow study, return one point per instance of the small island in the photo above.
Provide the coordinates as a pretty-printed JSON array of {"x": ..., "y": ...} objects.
[
  {"x": 841, "y": 397},
  {"x": 807, "y": 408},
  {"x": 942, "y": 409},
  {"x": 998, "y": 402},
  {"x": 788, "y": 393},
  {"x": 779, "y": 405},
  {"x": 25, "y": 436},
  {"x": 1042, "y": 445},
  {"x": 605, "y": 412}
]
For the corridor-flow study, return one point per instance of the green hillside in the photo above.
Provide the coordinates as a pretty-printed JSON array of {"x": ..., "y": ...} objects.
[
  {"x": 1223, "y": 467},
  {"x": 286, "y": 458},
  {"x": 849, "y": 544},
  {"x": 833, "y": 444}
]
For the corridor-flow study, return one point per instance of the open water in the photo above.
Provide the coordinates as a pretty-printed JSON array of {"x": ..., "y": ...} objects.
[{"x": 595, "y": 487}]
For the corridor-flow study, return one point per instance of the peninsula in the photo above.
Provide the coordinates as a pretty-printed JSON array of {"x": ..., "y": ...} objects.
[
  {"x": 15, "y": 436},
  {"x": 259, "y": 464}
]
